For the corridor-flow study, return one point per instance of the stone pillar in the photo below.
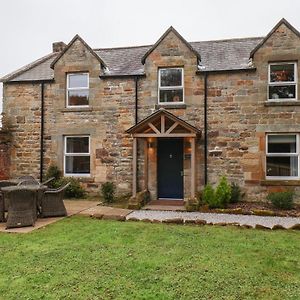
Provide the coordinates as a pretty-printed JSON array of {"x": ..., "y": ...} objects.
[
  {"x": 134, "y": 167},
  {"x": 193, "y": 167}
]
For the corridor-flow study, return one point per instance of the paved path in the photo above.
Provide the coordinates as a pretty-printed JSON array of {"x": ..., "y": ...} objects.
[
  {"x": 269, "y": 222},
  {"x": 73, "y": 207}
]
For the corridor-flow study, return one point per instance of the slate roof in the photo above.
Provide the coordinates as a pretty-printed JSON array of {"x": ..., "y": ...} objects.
[{"x": 230, "y": 54}]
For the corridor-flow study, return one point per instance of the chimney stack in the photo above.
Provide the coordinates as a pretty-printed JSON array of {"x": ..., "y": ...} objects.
[{"x": 58, "y": 46}]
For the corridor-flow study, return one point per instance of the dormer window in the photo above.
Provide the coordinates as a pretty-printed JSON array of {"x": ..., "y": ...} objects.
[
  {"x": 170, "y": 85},
  {"x": 282, "y": 81},
  {"x": 77, "y": 89}
]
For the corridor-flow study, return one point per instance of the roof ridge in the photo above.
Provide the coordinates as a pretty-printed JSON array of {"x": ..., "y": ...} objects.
[
  {"x": 123, "y": 47},
  {"x": 218, "y": 40},
  {"x": 27, "y": 67},
  {"x": 230, "y": 39}
]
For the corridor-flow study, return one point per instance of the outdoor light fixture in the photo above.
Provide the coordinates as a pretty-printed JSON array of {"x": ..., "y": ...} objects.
[
  {"x": 188, "y": 144},
  {"x": 150, "y": 145}
]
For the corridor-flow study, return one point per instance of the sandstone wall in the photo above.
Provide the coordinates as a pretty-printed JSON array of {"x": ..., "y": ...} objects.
[
  {"x": 239, "y": 117},
  {"x": 22, "y": 107}
]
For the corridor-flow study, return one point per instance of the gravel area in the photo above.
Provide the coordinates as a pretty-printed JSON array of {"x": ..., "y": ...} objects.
[{"x": 214, "y": 218}]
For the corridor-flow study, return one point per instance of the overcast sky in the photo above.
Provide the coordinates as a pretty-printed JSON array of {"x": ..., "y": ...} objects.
[{"x": 28, "y": 27}]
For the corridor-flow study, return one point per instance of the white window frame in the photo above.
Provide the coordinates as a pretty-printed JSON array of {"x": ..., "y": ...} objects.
[
  {"x": 177, "y": 87},
  {"x": 76, "y": 154},
  {"x": 296, "y": 154},
  {"x": 77, "y": 88},
  {"x": 295, "y": 82}
]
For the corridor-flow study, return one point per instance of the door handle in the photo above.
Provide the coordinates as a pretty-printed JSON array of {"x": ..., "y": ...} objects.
[{"x": 181, "y": 173}]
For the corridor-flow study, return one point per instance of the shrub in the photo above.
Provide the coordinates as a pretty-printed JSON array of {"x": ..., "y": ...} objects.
[
  {"x": 235, "y": 193},
  {"x": 282, "y": 200},
  {"x": 199, "y": 198},
  {"x": 223, "y": 192},
  {"x": 209, "y": 197},
  {"x": 53, "y": 171},
  {"x": 108, "y": 190},
  {"x": 74, "y": 190}
]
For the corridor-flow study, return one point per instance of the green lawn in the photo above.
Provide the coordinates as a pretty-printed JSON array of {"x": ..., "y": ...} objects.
[{"x": 82, "y": 258}]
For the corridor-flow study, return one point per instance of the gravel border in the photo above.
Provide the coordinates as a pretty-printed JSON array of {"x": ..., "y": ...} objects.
[{"x": 214, "y": 218}]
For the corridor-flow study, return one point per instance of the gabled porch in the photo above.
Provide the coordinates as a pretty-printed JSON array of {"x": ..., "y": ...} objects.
[{"x": 164, "y": 157}]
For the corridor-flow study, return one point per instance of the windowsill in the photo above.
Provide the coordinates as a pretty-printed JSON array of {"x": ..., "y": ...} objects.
[
  {"x": 77, "y": 109},
  {"x": 279, "y": 182},
  {"x": 82, "y": 178},
  {"x": 170, "y": 105},
  {"x": 282, "y": 103}
]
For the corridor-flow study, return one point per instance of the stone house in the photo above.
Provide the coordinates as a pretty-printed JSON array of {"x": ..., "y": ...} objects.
[{"x": 166, "y": 118}]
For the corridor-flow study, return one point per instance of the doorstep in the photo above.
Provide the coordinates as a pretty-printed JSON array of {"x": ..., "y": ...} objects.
[{"x": 165, "y": 205}]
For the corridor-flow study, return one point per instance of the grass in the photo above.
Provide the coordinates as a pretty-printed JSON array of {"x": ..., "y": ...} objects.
[{"x": 82, "y": 258}]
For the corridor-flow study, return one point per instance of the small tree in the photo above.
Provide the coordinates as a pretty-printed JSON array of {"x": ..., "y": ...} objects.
[
  {"x": 236, "y": 194},
  {"x": 209, "y": 196},
  {"x": 223, "y": 192}
]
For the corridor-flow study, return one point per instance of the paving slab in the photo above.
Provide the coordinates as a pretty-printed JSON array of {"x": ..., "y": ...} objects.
[
  {"x": 73, "y": 207},
  {"x": 164, "y": 207},
  {"x": 106, "y": 211},
  {"x": 213, "y": 218}
]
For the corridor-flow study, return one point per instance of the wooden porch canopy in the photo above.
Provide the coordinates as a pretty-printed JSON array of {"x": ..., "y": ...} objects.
[{"x": 163, "y": 124}]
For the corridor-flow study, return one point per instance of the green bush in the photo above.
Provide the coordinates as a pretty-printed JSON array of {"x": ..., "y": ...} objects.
[
  {"x": 74, "y": 190},
  {"x": 53, "y": 171},
  {"x": 209, "y": 197},
  {"x": 282, "y": 200},
  {"x": 108, "y": 190},
  {"x": 223, "y": 192},
  {"x": 235, "y": 193}
]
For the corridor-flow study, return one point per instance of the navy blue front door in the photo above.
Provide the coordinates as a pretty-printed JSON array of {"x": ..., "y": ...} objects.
[{"x": 170, "y": 168}]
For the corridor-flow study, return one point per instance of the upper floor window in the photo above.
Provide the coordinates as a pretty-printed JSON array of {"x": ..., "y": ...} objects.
[
  {"x": 282, "y": 81},
  {"x": 78, "y": 89},
  {"x": 170, "y": 85},
  {"x": 282, "y": 157},
  {"x": 77, "y": 155}
]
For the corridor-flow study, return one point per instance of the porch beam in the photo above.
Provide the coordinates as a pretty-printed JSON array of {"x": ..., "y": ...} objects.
[
  {"x": 153, "y": 127},
  {"x": 154, "y": 135},
  {"x": 193, "y": 168},
  {"x": 172, "y": 127},
  {"x": 162, "y": 123},
  {"x": 146, "y": 164},
  {"x": 134, "y": 167}
]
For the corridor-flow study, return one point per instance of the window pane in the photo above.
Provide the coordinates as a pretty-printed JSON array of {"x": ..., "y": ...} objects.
[
  {"x": 282, "y": 166},
  {"x": 78, "y": 97},
  {"x": 281, "y": 144},
  {"x": 77, "y": 145},
  {"x": 171, "y": 95},
  {"x": 77, "y": 164},
  {"x": 78, "y": 80},
  {"x": 284, "y": 72},
  {"x": 282, "y": 92},
  {"x": 170, "y": 77}
]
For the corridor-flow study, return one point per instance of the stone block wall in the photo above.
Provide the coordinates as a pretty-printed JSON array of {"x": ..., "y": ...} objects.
[
  {"x": 22, "y": 105},
  {"x": 239, "y": 117}
]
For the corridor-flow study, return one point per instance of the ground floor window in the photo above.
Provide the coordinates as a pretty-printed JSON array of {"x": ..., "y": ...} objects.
[
  {"x": 282, "y": 158},
  {"x": 77, "y": 155}
]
